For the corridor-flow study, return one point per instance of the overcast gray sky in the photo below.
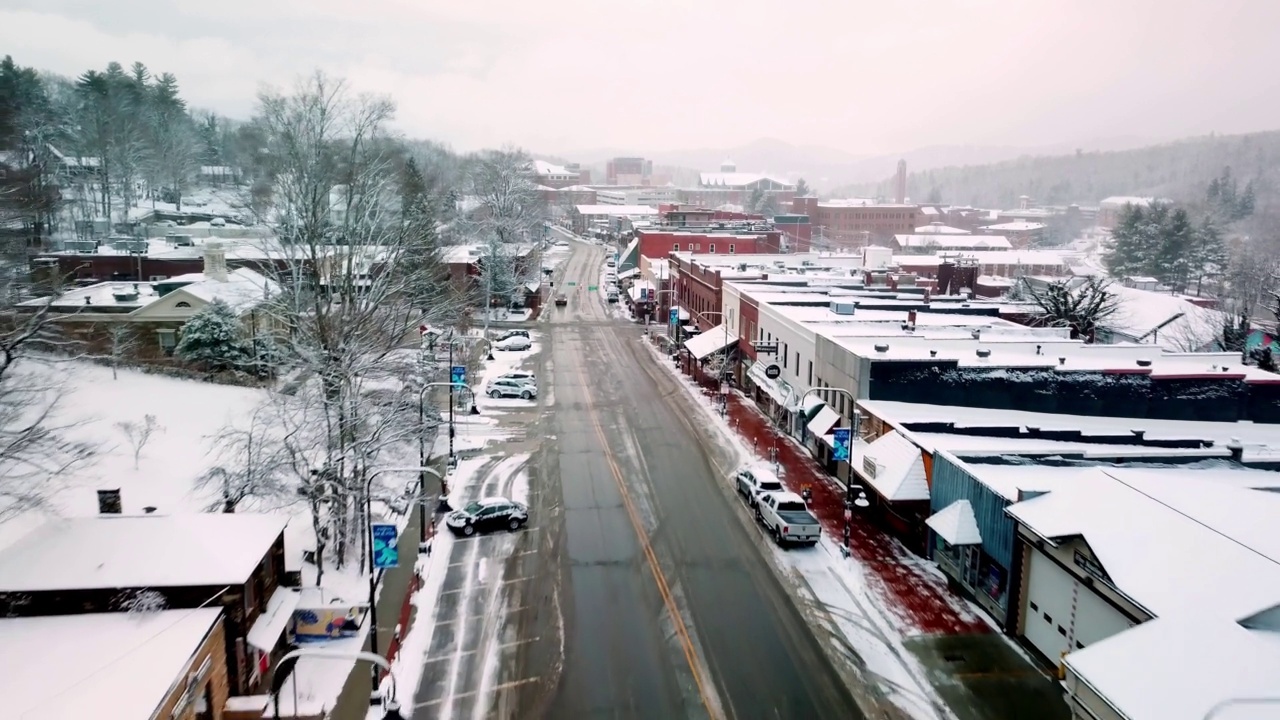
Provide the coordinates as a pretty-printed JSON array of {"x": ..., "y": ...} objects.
[{"x": 667, "y": 74}]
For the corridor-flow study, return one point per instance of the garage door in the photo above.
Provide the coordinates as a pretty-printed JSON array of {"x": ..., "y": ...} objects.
[
  {"x": 1047, "y": 607},
  {"x": 1061, "y": 614}
]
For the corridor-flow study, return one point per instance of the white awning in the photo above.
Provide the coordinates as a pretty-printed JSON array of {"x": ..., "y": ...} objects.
[
  {"x": 771, "y": 388},
  {"x": 956, "y": 524},
  {"x": 710, "y": 342},
  {"x": 266, "y": 630},
  {"x": 822, "y": 423},
  {"x": 628, "y": 273}
]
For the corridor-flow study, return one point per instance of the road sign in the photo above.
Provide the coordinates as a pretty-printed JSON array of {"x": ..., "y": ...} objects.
[
  {"x": 673, "y": 316},
  {"x": 458, "y": 374},
  {"x": 766, "y": 348},
  {"x": 386, "y": 554},
  {"x": 840, "y": 449},
  {"x": 572, "y": 283},
  {"x": 773, "y": 372},
  {"x": 593, "y": 288}
]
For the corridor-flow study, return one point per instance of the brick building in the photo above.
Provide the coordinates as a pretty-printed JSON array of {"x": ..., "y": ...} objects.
[
  {"x": 730, "y": 240},
  {"x": 628, "y": 171},
  {"x": 856, "y": 223}
]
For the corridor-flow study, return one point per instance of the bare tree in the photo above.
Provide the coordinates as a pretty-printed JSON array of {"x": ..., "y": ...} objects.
[
  {"x": 357, "y": 279},
  {"x": 253, "y": 462},
  {"x": 139, "y": 434},
  {"x": 35, "y": 447},
  {"x": 1083, "y": 307},
  {"x": 122, "y": 343}
]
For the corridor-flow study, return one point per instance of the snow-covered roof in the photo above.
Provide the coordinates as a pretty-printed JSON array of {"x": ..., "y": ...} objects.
[
  {"x": 736, "y": 179},
  {"x": 1119, "y": 201},
  {"x": 615, "y": 210},
  {"x": 956, "y": 524},
  {"x": 990, "y": 257},
  {"x": 1016, "y": 226},
  {"x": 937, "y": 228},
  {"x": 1141, "y": 312},
  {"x": 271, "y": 623},
  {"x": 128, "y": 551},
  {"x": 710, "y": 342},
  {"x": 242, "y": 289},
  {"x": 129, "y": 295},
  {"x": 542, "y": 167},
  {"x": 1187, "y": 667},
  {"x": 954, "y": 242},
  {"x": 1259, "y": 440},
  {"x": 122, "y": 665},
  {"x": 1219, "y": 535},
  {"x": 899, "y": 467},
  {"x": 824, "y": 421}
]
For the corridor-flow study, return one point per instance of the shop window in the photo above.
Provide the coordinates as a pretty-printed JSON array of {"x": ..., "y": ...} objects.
[
  {"x": 675, "y": 247},
  {"x": 711, "y": 248},
  {"x": 730, "y": 248}
]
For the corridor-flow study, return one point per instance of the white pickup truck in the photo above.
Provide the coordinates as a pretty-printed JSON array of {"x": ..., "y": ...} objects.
[{"x": 787, "y": 519}]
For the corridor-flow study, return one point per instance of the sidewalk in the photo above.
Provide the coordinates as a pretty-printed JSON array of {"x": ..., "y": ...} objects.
[{"x": 908, "y": 587}]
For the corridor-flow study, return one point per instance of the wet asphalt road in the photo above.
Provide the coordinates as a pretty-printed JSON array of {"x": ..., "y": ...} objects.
[{"x": 670, "y": 610}]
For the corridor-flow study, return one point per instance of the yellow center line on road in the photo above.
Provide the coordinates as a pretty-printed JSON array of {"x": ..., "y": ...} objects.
[{"x": 660, "y": 579}]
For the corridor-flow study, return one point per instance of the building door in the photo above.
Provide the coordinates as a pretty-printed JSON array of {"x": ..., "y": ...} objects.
[
  {"x": 972, "y": 555},
  {"x": 1049, "y": 607}
]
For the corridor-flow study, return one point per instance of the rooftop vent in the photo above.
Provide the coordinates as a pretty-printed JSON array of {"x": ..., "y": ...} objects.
[
  {"x": 1144, "y": 363},
  {"x": 1062, "y": 361},
  {"x": 125, "y": 295},
  {"x": 882, "y": 347},
  {"x": 933, "y": 353},
  {"x": 88, "y": 300},
  {"x": 149, "y": 509},
  {"x": 1039, "y": 350},
  {"x": 843, "y": 307},
  {"x": 984, "y": 353}
]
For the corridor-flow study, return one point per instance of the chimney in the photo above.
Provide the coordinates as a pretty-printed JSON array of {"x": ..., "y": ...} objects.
[
  {"x": 900, "y": 186},
  {"x": 1237, "y": 449},
  {"x": 215, "y": 261},
  {"x": 911, "y": 319},
  {"x": 109, "y": 502}
]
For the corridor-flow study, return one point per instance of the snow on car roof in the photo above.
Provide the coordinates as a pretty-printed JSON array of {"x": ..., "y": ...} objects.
[
  {"x": 494, "y": 500},
  {"x": 787, "y": 497}
]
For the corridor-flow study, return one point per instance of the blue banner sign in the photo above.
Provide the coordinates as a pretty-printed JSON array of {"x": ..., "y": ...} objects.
[
  {"x": 840, "y": 451},
  {"x": 386, "y": 554},
  {"x": 458, "y": 374},
  {"x": 673, "y": 316}
]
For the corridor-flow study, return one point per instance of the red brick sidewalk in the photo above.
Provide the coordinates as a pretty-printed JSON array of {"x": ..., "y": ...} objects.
[{"x": 909, "y": 590}]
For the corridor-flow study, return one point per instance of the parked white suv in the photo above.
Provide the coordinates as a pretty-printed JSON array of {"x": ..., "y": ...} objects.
[{"x": 507, "y": 387}]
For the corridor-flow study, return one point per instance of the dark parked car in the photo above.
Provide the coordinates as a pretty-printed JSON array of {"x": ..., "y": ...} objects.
[{"x": 486, "y": 515}]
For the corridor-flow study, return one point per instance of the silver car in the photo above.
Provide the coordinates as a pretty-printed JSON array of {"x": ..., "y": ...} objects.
[
  {"x": 505, "y": 387},
  {"x": 527, "y": 378}
]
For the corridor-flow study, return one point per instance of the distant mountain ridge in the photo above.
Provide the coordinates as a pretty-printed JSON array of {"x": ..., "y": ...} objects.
[
  {"x": 826, "y": 168},
  {"x": 1178, "y": 170}
]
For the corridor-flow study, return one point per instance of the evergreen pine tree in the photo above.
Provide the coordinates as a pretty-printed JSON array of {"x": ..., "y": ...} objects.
[
  {"x": 1208, "y": 256},
  {"x": 802, "y": 188},
  {"x": 1132, "y": 248},
  {"x": 213, "y": 338},
  {"x": 1173, "y": 263}
]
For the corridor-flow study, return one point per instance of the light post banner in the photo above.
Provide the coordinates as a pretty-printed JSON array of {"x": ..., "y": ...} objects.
[
  {"x": 458, "y": 374},
  {"x": 386, "y": 554},
  {"x": 673, "y": 316},
  {"x": 840, "y": 446}
]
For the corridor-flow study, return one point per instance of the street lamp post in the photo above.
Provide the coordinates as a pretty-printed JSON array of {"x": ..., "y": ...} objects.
[
  {"x": 373, "y": 575},
  {"x": 850, "y": 501},
  {"x": 422, "y": 422},
  {"x": 286, "y": 663}
]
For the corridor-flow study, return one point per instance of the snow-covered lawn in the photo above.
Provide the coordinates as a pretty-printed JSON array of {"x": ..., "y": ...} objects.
[{"x": 187, "y": 412}]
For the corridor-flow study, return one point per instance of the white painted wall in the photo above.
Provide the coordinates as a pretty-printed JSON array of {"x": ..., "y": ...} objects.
[{"x": 793, "y": 338}]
